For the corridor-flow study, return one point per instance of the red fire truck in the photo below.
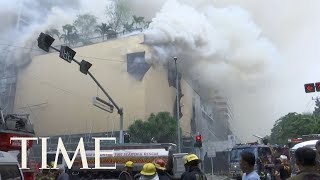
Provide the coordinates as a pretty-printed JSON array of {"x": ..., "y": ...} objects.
[{"x": 15, "y": 125}]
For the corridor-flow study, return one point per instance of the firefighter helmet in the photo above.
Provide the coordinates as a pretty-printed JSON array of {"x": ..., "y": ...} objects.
[
  {"x": 129, "y": 164},
  {"x": 190, "y": 158},
  {"x": 160, "y": 164},
  {"x": 148, "y": 169}
]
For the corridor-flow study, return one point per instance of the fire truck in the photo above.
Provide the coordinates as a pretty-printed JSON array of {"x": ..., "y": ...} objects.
[
  {"x": 17, "y": 125},
  {"x": 137, "y": 153}
]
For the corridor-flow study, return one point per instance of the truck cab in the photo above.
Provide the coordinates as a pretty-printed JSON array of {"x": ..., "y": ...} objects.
[
  {"x": 9, "y": 167},
  {"x": 263, "y": 160}
]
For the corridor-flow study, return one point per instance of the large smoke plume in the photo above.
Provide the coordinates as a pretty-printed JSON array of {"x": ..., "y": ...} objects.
[{"x": 258, "y": 53}]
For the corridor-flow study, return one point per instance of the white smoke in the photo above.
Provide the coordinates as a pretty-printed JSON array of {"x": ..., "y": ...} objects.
[
  {"x": 211, "y": 39},
  {"x": 223, "y": 48},
  {"x": 38, "y": 16}
]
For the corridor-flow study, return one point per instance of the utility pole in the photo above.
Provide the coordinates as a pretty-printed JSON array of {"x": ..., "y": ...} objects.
[{"x": 178, "y": 104}]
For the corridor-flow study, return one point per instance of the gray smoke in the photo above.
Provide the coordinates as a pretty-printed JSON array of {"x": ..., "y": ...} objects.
[
  {"x": 23, "y": 20},
  {"x": 223, "y": 48},
  {"x": 258, "y": 53}
]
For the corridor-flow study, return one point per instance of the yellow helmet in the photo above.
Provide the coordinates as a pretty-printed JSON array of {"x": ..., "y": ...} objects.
[
  {"x": 190, "y": 157},
  {"x": 148, "y": 169},
  {"x": 129, "y": 164}
]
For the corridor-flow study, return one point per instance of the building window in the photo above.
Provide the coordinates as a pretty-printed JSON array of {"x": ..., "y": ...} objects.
[{"x": 137, "y": 65}]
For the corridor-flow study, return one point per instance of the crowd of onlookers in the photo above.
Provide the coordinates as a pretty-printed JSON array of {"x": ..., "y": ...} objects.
[{"x": 307, "y": 161}]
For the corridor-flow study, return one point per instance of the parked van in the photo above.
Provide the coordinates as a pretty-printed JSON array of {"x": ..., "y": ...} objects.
[{"x": 9, "y": 167}]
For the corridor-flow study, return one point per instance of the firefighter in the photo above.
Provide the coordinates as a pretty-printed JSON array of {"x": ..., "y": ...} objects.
[
  {"x": 161, "y": 170},
  {"x": 127, "y": 173},
  {"x": 149, "y": 172},
  {"x": 306, "y": 161},
  {"x": 193, "y": 171}
]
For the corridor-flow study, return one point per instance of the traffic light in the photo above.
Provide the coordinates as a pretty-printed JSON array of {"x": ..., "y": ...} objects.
[
  {"x": 309, "y": 88},
  {"x": 198, "y": 142},
  {"x": 85, "y": 66},
  {"x": 126, "y": 138},
  {"x": 45, "y": 41},
  {"x": 67, "y": 53},
  {"x": 317, "y": 86}
]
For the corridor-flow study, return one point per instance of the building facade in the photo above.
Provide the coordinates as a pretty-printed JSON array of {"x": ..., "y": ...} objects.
[{"x": 59, "y": 98}]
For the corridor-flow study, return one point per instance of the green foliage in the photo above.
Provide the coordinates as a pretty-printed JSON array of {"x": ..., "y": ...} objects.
[
  {"x": 294, "y": 125},
  {"x": 138, "y": 20},
  {"x": 53, "y": 32},
  {"x": 316, "y": 111},
  {"x": 103, "y": 29},
  {"x": 85, "y": 23},
  {"x": 163, "y": 127},
  {"x": 128, "y": 27},
  {"x": 118, "y": 13},
  {"x": 70, "y": 35}
]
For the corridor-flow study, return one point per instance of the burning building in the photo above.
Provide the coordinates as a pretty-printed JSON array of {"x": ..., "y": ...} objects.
[{"x": 59, "y": 98}]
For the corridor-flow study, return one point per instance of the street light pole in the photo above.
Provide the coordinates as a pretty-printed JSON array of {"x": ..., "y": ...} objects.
[{"x": 178, "y": 104}]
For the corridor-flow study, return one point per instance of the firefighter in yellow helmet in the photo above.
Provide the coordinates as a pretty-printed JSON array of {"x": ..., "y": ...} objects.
[
  {"x": 193, "y": 172},
  {"x": 149, "y": 172},
  {"x": 127, "y": 173}
]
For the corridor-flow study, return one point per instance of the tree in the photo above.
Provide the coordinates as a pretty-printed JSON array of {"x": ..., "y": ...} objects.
[
  {"x": 118, "y": 13},
  {"x": 294, "y": 125},
  {"x": 138, "y": 20},
  {"x": 85, "y": 23},
  {"x": 146, "y": 24},
  {"x": 162, "y": 127},
  {"x": 70, "y": 35},
  {"x": 316, "y": 111},
  {"x": 128, "y": 27},
  {"x": 53, "y": 32},
  {"x": 102, "y": 29}
]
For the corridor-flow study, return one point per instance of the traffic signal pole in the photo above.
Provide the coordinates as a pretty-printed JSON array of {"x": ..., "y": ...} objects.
[{"x": 120, "y": 110}]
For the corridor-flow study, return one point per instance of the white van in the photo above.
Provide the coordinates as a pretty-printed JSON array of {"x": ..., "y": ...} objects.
[{"x": 9, "y": 167}]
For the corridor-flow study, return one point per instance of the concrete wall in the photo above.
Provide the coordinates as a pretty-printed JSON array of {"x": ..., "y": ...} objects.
[{"x": 66, "y": 95}]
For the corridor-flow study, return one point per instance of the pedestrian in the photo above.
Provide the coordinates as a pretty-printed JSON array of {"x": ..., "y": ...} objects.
[
  {"x": 193, "y": 171},
  {"x": 161, "y": 170},
  {"x": 62, "y": 174},
  {"x": 149, "y": 172},
  {"x": 247, "y": 163},
  {"x": 127, "y": 173},
  {"x": 306, "y": 162},
  {"x": 283, "y": 171}
]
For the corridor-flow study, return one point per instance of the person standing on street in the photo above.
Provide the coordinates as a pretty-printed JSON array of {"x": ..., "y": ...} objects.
[
  {"x": 283, "y": 171},
  {"x": 306, "y": 162},
  {"x": 193, "y": 171},
  {"x": 161, "y": 170},
  {"x": 127, "y": 173},
  {"x": 62, "y": 174},
  {"x": 149, "y": 172},
  {"x": 247, "y": 163}
]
